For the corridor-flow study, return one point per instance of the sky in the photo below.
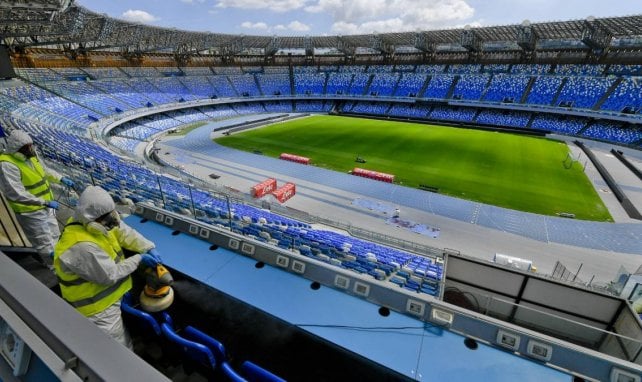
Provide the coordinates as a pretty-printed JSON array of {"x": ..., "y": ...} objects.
[{"x": 345, "y": 17}]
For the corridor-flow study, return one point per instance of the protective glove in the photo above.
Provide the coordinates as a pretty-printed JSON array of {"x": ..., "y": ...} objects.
[
  {"x": 149, "y": 260},
  {"x": 154, "y": 252},
  {"x": 52, "y": 204},
  {"x": 66, "y": 181}
]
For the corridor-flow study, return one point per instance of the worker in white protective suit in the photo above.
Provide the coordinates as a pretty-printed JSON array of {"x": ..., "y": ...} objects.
[
  {"x": 24, "y": 181},
  {"x": 92, "y": 271}
]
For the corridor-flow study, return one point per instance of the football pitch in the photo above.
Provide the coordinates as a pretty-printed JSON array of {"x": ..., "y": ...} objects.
[{"x": 508, "y": 170}]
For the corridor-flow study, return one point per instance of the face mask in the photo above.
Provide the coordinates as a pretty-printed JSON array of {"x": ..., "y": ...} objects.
[
  {"x": 104, "y": 224},
  {"x": 110, "y": 220},
  {"x": 96, "y": 228}
]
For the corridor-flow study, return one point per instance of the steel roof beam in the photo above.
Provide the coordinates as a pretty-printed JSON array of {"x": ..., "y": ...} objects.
[{"x": 52, "y": 22}]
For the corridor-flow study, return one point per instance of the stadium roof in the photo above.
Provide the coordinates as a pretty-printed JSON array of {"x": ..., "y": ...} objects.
[{"x": 62, "y": 24}]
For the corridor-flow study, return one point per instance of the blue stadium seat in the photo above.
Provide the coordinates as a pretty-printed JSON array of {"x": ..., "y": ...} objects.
[
  {"x": 144, "y": 321},
  {"x": 216, "y": 348},
  {"x": 249, "y": 371},
  {"x": 191, "y": 350},
  {"x": 255, "y": 373}
]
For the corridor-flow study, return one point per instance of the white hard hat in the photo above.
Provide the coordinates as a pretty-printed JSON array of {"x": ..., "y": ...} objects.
[
  {"x": 93, "y": 203},
  {"x": 17, "y": 140}
]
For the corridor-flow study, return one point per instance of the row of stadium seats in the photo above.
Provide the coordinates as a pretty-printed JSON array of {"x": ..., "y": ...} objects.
[
  {"x": 196, "y": 350},
  {"x": 60, "y": 74},
  {"x": 84, "y": 101}
]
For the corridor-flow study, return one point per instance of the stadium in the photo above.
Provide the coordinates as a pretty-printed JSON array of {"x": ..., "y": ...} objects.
[{"x": 432, "y": 205}]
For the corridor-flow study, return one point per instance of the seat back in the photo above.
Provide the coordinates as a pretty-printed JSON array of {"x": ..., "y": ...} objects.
[
  {"x": 144, "y": 320},
  {"x": 255, "y": 373},
  {"x": 217, "y": 349},
  {"x": 250, "y": 372},
  {"x": 190, "y": 349},
  {"x": 214, "y": 345}
]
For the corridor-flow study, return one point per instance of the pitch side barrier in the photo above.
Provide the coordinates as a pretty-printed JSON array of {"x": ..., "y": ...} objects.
[
  {"x": 520, "y": 130},
  {"x": 620, "y": 155},
  {"x": 617, "y": 191}
]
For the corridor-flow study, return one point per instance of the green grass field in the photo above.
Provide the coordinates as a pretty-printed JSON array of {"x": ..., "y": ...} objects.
[{"x": 508, "y": 170}]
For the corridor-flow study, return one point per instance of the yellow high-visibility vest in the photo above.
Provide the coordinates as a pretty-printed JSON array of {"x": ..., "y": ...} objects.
[
  {"x": 86, "y": 296},
  {"x": 33, "y": 178}
]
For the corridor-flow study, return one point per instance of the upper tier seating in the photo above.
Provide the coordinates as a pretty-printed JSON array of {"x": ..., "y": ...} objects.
[
  {"x": 530, "y": 69},
  {"x": 506, "y": 88},
  {"x": 74, "y": 98},
  {"x": 309, "y": 83},
  {"x": 383, "y": 84},
  {"x": 274, "y": 84},
  {"x": 470, "y": 86},
  {"x": 628, "y": 93},
  {"x": 579, "y": 70},
  {"x": 338, "y": 83},
  {"x": 410, "y": 84},
  {"x": 439, "y": 85},
  {"x": 359, "y": 84},
  {"x": 583, "y": 92},
  {"x": 245, "y": 85},
  {"x": 544, "y": 90}
]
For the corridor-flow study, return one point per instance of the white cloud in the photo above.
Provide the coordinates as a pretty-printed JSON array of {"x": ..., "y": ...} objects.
[
  {"x": 138, "y": 16},
  {"x": 298, "y": 26},
  {"x": 272, "y": 5},
  {"x": 341, "y": 27},
  {"x": 295, "y": 26},
  {"x": 192, "y": 1},
  {"x": 379, "y": 26},
  {"x": 366, "y": 16},
  {"x": 250, "y": 25}
]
